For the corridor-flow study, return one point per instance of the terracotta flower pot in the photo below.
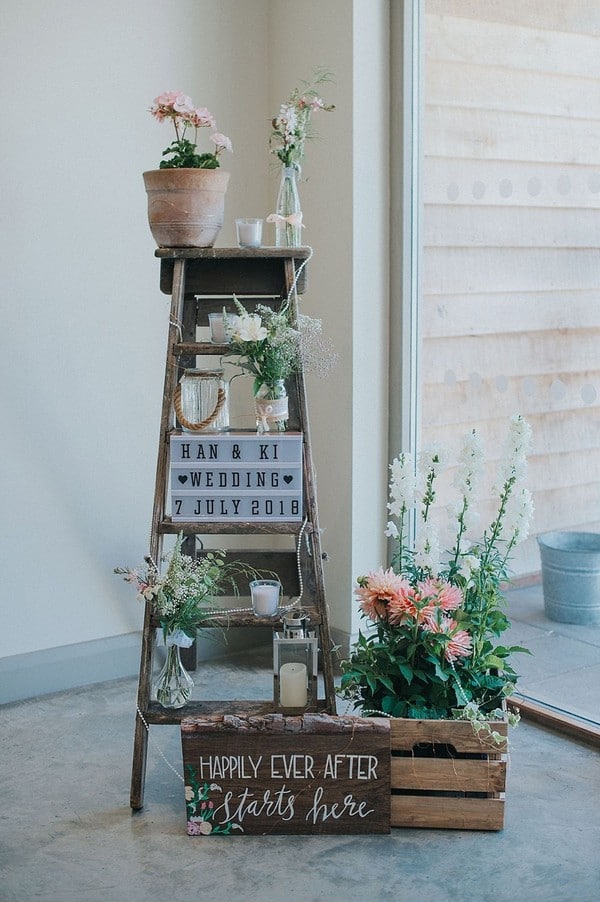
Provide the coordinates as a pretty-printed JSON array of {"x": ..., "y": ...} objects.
[{"x": 186, "y": 206}]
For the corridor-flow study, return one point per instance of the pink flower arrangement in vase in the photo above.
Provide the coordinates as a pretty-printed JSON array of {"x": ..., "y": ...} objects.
[{"x": 432, "y": 649}]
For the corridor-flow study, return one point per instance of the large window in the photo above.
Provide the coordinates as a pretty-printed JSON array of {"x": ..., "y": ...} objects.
[{"x": 510, "y": 314}]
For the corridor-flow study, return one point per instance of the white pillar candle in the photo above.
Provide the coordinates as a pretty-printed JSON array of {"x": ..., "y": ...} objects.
[{"x": 293, "y": 689}]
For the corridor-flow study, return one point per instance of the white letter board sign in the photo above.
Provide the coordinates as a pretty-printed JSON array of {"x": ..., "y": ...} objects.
[{"x": 236, "y": 476}]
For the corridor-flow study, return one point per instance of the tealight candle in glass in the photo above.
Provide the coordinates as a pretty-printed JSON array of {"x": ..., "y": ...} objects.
[
  {"x": 249, "y": 232},
  {"x": 265, "y": 594},
  {"x": 218, "y": 334}
]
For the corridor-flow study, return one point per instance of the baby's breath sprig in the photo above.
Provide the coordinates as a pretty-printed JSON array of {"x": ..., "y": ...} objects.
[
  {"x": 184, "y": 596},
  {"x": 271, "y": 347}
]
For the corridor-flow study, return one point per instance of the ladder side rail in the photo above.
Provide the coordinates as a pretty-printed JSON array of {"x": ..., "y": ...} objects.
[
  {"x": 189, "y": 323},
  {"x": 170, "y": 382},
  {"x": 311, "y": 510},
  {"x": 140, "y": 739},
  {"x": 140, "y": 745}
]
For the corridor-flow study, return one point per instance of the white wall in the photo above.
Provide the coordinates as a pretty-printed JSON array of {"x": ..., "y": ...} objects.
[
  {"x": 83, "y": 322},
  {"x": 84, "y": 326},
  {"x": 371, "y": 288}
]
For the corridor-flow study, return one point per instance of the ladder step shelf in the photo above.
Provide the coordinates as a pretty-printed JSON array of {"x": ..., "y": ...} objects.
[{"x": 169, "y": 526}]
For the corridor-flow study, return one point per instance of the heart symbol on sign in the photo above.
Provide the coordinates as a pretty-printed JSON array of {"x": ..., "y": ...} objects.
[
  {"x": 287, "y": 479},
  {"x": 182, "y": 479}
]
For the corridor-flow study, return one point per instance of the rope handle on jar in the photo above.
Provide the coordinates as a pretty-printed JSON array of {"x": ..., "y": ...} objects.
[{"x": 197, "y": 427}]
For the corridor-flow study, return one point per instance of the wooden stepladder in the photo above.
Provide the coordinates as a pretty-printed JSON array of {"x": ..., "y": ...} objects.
[{"x": 202, "y": 281}]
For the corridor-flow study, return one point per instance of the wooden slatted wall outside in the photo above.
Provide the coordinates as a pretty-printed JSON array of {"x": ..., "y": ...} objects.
[{"x": 511, "y": 317}]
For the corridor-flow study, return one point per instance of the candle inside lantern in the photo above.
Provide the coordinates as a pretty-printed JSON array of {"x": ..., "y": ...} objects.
[
  {"x": 218, "y": 334},
  {"x": 249, "y": 232},
  {"x": 293, "y": 686},
  {"x": 265, "y": 596}
]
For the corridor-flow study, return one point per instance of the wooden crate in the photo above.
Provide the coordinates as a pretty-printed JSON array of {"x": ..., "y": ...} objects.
[{"x": 443, "y": 774}]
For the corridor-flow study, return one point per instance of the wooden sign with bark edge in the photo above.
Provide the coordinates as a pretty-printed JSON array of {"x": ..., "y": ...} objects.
[{"x": 268, "y": 775}]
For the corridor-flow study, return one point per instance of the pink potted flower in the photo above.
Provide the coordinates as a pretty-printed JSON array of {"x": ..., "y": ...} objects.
[{"x": 186, "y": 194}]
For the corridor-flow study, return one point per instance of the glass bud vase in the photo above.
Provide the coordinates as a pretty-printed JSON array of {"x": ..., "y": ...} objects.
[
  {"x": 288, "y": 229},
  {"x": 173, "y": 686},
  {"x": 271, "y": 402}
]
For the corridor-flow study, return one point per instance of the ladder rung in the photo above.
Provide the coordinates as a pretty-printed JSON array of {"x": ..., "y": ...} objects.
[
  {"x": 247, "y": 618},
  {"x": 232, "y": 527},
  {"x": 199, "y": 347}
]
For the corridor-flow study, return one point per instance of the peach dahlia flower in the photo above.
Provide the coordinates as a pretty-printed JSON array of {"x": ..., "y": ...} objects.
[{"x": 379, "y": 590}]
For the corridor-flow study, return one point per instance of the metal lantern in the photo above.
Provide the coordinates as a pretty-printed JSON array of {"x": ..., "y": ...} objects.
[{"x": 295, "y": 663}]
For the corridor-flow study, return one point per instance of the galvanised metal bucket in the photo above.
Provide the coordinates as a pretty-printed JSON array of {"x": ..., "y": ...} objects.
[{"x": 571, "y": 576}]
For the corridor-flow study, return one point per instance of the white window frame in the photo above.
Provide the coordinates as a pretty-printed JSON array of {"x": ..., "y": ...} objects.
[{"x": 406, "y": 217}]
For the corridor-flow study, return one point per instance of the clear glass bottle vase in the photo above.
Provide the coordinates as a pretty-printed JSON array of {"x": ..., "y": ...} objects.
[
  {"x": 288, "y": 232},
  {"x": 173, "y": 686}
]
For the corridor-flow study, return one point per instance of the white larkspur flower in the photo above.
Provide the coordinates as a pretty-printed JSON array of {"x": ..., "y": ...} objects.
[
  {"x": 403, "y": 481},
  {"x": 396, "y": 508},
  {"x": 470, "y": 518},
  {"x": 469, "y": 564},
  {"x": 427, "y": 549},
  {"x": 518, "y": 517},
  {"x": 516, "y": 449},
  {"x": 470, "y": 464},
  {"x": 454, "y": 510},
  {"x": 392, "y": 530},
  {"x": 434, "y": 458},
  {"x": 469, "y": 515}
]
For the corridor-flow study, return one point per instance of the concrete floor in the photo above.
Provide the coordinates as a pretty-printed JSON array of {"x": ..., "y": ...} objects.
[
  {"x": 563, "y": 669},
  {"x": 66, "y": 830}
]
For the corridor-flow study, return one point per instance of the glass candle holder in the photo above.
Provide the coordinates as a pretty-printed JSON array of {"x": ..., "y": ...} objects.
[
  {"x": 249, "y": 232},
  {"x": 218, "y": 335},
  {"x": 201, "y": 401},
  {"x": 265, "y": 594}
]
